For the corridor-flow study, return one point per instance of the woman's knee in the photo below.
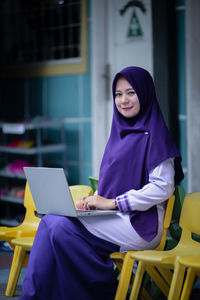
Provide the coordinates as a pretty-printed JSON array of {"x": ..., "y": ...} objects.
[{"x": 58, "y": 226}]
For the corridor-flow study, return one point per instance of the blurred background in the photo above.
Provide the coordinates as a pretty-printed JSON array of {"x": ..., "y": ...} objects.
[{"x": 57, "y": 61}]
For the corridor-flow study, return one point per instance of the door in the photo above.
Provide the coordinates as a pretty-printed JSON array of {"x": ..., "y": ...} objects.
[{"x": 121, "y": 36}]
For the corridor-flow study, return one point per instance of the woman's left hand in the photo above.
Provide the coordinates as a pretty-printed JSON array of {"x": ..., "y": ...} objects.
[{"x": 95, "y": 202}]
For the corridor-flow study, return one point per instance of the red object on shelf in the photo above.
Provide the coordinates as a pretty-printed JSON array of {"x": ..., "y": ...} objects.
[{"x": 17, "y": 166}]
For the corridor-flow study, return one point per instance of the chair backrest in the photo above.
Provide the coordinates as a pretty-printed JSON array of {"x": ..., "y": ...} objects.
[
  {"x": 30, "y": 217},
  {"x": 174, "y": 228},
  {"x": 167, "y": 221},
  {"x": 189, "y": 219},
  {"x": 94, "y": 182},
  {"x": 28, "y": 199},
  {"x": 80, "y": 191},
  {"x": 179, "y": 198}
]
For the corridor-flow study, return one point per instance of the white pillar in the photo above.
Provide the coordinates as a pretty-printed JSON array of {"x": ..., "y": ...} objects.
[{"x": 193, "y": 92}]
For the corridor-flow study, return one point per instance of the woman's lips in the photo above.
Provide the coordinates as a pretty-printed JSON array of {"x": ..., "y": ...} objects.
[{"x": 126, "y": 108}]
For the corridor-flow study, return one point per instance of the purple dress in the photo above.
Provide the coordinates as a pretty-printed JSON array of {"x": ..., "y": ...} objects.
[{"x": 67, "y": 262}]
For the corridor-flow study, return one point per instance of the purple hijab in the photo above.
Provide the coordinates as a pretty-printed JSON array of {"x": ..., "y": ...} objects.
[{"x": 135, "y": 147}]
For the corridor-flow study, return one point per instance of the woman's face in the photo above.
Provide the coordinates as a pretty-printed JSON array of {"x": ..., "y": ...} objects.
[{"x": 126, "y": 99}]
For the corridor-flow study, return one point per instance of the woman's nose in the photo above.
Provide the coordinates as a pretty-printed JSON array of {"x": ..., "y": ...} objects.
[{"x": 124, "y": 98}]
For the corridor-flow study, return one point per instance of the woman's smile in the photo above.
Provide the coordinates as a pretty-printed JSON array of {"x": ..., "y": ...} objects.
[{"x": 127, "y": 108}]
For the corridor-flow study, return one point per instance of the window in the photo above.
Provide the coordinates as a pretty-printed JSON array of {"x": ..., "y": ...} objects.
[{"x": 43, "y": 37}]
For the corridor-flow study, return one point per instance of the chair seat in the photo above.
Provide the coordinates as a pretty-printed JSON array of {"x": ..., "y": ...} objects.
[
  {"x": 9, "y": 234},
  {"x": 117, "y": 255},
  {"x": 190, "y": 261},
  {"x": 167, "y": 257},
  {"x": 25, "y": 242}
]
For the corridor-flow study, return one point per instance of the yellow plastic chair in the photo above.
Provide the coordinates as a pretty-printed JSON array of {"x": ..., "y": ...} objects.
[
  {"x": 24, "y": 244},
  {"x": 29, "y": 225},
  {"x": 193, "y": 265},
  {"x": 125, "y": 263},
  {"x": 124, "y": 258},
  {"x": 165, "y": 261}
]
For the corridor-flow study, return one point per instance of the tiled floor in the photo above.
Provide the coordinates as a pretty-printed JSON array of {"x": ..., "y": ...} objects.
[{"x": 5, "y": 263}]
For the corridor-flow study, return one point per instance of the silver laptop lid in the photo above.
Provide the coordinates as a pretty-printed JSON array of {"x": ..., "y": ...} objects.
[{"x": 50, "y": 191}]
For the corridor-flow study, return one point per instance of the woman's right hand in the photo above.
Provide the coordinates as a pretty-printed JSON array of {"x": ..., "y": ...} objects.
[
  {"x": 80, "y": 203},
  {"x": 95, "y": 202}
]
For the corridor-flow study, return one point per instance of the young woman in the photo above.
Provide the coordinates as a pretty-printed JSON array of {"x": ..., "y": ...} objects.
[{"x": 141, "y": 164}]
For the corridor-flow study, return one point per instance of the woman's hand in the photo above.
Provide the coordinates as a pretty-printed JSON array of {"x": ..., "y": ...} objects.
[{"x": 95, "y": 202}]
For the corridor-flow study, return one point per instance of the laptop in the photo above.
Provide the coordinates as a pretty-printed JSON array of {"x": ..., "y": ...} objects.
[{"x": 51, "y": 193}]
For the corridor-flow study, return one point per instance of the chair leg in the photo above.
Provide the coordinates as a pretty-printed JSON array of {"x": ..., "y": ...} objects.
[
  {"x": 157, "y": 278},
  {"x": 144, "y": 294},
  {"x": 15, "y": 270},
  {"x": 177, "y": 282},
  {"x": 166, "y": 274},
  {"x": 137, "y": 281},
  {"x": 125, "y": 277},
  {"x": 189, "y": 281}
]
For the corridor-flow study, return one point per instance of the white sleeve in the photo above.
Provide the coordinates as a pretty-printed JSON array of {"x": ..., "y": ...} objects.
[{"x": 159, "y": 189}]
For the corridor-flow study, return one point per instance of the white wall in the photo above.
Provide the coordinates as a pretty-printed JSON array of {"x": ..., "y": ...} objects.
[
  {"x": 125, "y": 50},
  {"x": 98, "y": 61},
  {"x": 193, "y": 92}
]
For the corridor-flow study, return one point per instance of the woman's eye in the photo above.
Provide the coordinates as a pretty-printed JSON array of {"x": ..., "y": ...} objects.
[
  {"x": 117, "y": 94},
  {"x": 131, "y": 93}
]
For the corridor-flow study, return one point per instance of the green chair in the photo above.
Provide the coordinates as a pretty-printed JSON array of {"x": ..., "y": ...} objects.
[
  {"x": 174, "y": 229},
  {"x": 94, "y": 182}
]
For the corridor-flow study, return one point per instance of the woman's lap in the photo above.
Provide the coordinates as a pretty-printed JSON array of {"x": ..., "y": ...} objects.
[
  {"x": 118, "y": 230},
  {"x": 67, "y": 260}
]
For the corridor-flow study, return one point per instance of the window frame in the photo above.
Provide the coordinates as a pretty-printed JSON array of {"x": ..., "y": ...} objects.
[{"x": 62, "y": 67}]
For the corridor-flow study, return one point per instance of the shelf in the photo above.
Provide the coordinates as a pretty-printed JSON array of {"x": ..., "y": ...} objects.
[
  {"x": 20, "y": 128},
  {"x": 11, "y": 199},
  {"x": 34, "y": 150},
  {"x": 38, "y": 150},
  {"x": 12, "y": 175}
]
